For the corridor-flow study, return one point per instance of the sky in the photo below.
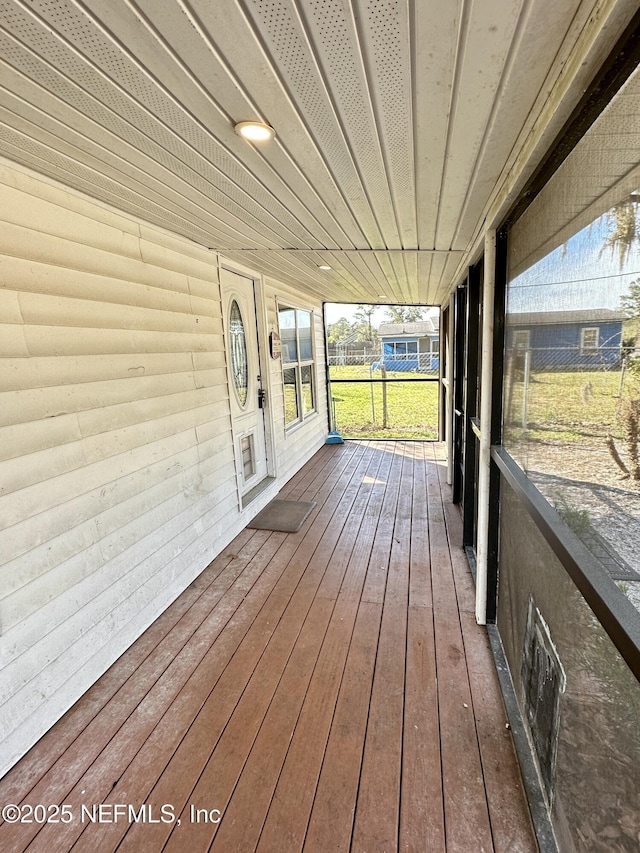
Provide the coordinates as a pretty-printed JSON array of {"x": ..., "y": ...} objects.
[{"x": 578, "y": 275}]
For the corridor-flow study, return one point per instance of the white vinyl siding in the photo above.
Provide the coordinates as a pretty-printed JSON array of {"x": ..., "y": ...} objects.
[
  {"x": 117, "y": 476},
  {"x": 112, "y": 451}
]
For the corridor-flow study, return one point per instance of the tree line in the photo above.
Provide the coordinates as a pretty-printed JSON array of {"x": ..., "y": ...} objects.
[{"x": 362, "y": 328}]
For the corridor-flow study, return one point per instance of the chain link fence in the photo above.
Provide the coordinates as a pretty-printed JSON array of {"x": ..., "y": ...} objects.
[
  {"x": 570, "y": 388},
  {"x": 571, "y": 419},
  {"x": 401, "y": 363},
  {"x": 569, "y": 358}
]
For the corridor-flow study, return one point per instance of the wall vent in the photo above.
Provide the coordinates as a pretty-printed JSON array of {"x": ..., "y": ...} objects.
[{"x": 543, "y": 680}]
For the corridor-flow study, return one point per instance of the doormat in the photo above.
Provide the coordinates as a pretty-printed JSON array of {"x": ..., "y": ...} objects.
[{"x": 283, "y": 516}]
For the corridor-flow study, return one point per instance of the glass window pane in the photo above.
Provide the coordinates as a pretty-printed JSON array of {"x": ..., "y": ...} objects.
[
  {"x": 238, "y": 348},
  {"x": 308, "y": 402},
  {"x": 287, "y": 325},
  {"x": 296, "y": 333},
  {"x": 291, "y": 412},
  {"x": 304, "y": 335}
]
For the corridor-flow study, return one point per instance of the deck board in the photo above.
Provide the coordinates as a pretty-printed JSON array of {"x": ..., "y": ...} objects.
[
  {"x": 500, "y": 771},
  {"x": 467, "y": 822},
  {"x": 326, "y": 690},
  {"x": 378, "y": 804}
]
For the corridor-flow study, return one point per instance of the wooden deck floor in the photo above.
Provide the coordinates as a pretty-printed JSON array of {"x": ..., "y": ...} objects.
[{"x": 324, "y": 691}]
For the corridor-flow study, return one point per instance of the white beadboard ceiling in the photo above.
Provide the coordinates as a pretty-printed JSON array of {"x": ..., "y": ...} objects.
[{"x": 395, "y": 121}]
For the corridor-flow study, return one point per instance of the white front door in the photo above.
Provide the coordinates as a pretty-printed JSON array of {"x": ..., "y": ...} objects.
[{"x": 245, "y": 392}]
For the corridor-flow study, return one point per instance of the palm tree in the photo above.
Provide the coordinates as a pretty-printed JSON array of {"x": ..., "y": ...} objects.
[{"x": 623, "y": 222}]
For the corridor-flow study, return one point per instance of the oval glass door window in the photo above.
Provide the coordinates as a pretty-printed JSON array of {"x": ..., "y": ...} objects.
[{"x": 239, "y": 367}]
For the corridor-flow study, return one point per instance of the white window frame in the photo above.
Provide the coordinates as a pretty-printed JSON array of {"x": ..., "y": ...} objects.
[
  {"x": 298, "y": 365},
  {"x": 588, "y": 349}
]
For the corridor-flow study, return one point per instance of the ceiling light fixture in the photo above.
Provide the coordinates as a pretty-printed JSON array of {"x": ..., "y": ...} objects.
[
  {"x": 254, "y": 131},
  {"x": 323, "y": 267}
]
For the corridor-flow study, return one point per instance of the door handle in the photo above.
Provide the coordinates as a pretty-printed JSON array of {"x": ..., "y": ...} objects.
[{"x": 262, "y": 398}]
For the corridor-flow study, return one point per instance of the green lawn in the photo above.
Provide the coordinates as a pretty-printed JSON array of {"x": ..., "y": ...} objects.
[
  {"x": 564, "y": 406},
  {"x": 568, "y": 407},
  {"x": 411, "y": 409}
]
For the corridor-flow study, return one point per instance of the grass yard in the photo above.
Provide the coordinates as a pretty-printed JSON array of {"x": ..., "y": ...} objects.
[
  {"x": 570, "y": 407},
  {"x": 411, "y": 409},
  {"x": 564, "y": 406}
]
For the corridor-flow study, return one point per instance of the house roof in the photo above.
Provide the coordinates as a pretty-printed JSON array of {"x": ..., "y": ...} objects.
[
  {"x": 547, "y": 318},
  {"x": 418, "y": 329},
  {"x": 401, "y": 128}
]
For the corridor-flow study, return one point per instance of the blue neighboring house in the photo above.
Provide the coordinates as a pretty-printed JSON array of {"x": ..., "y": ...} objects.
[
  {"x": 410, "y": 347},
  {"x": 561, "y": 340}
]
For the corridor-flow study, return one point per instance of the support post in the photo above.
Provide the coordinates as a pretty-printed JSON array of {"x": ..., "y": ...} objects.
[
  {"x": 449, "y": 390},
  {"x": 385, "y": 414},
  {"x": 525, "y": 388},
  {"x": 486, "y": 386}
]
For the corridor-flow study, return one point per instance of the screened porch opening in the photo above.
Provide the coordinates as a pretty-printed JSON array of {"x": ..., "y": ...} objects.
[{"x": 383, "y": 368}]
